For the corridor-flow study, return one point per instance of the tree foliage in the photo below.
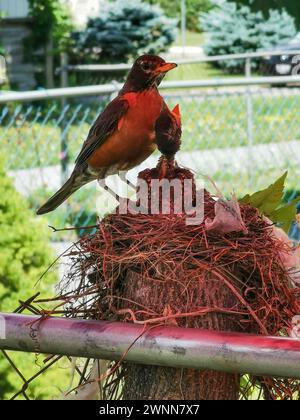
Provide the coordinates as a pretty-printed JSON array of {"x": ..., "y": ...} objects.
[
  {"x": 193, "y": 8},
  {"x": 234, "y": 29},
  {"x": 291, "y": 6},
  {"x": 50, "y": 18},
  {"x": 124, "y": 30}
]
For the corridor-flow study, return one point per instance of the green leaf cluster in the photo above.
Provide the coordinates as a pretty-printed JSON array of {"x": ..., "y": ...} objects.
[{"x": 269, "y": 202}]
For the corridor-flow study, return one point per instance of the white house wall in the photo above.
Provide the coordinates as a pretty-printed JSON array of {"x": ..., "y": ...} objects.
[{"x": 14, "y": 8}]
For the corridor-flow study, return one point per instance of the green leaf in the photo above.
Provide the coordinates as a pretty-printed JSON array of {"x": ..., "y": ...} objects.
[
  {"x": 268, "y": 202},
  {"x": 269, "y": 199},
  {"x": 285, "y": 215}
]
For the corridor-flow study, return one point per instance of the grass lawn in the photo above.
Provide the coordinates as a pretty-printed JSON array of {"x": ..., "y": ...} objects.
[
  {"x": 193, "y": 39},
  {"x": 195, "y": 71},
  {"x": 199, "y": 70},
  {"x": 221, "y": 121}
]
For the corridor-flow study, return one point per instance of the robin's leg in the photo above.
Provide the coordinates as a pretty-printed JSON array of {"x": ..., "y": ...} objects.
[
  {"x": 122, "y": 175},
  {"x": 103, "y": 184}
]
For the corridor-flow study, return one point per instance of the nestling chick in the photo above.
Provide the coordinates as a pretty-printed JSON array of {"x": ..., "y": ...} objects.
[{"x": 168, "y": 132}]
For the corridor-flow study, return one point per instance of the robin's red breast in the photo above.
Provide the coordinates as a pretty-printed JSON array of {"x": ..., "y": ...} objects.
[{"x": 124, "y": 134}]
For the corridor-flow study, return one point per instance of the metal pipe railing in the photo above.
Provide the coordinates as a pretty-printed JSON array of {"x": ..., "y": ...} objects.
[
  {"x": 204, "y": 59},
  {"x": 162, "y": 346},
  {"x": 110, "y": 88}
]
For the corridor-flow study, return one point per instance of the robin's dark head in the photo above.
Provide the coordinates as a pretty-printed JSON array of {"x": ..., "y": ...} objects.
[{"x": 148, "y": 70}]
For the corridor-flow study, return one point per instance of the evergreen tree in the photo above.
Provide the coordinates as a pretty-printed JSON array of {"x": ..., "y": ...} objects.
[
  {"x": 127, "y": 28},
  {"x": 277, "y": 29},
  {"x": 234, "y": 29},
  {"x": 291, "y": 6}
]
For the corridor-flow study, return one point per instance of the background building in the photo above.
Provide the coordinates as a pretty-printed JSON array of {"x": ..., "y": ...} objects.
[
  {"x": 14, "y": 28},
  {"x": 81, "y": 10}
]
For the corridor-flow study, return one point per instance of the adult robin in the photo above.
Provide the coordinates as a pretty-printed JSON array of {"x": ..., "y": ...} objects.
[{"x": 124, "y": 134}]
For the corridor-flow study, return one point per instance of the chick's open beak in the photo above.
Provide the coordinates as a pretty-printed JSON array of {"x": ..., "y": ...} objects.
[{"x": 164, "y": 68}]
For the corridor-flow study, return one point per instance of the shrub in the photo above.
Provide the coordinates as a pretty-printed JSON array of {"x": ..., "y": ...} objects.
[
  {"x": 24, "y": 257},
  {"x": 123, "y": 31},
  {"x": 234, "y": 29}
]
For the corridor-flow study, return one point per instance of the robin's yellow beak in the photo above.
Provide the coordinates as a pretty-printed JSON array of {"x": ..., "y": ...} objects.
[{"x": 164, "y": 68}]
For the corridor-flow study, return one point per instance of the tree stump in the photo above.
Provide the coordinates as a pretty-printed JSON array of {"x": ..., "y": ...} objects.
[
  {"x": 162, "y": 295},
  {"x": 164, "y": 383}
]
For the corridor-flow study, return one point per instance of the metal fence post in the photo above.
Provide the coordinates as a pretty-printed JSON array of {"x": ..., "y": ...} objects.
[
  {"x": 249, "y": 105},
  {"x": 49, "y": 63},
  {"x": 248, "y": 67},
  {"x": 64, "y": 82},
  {"x": 183, "y": 26},
  {"x": 64, "y": 73}
]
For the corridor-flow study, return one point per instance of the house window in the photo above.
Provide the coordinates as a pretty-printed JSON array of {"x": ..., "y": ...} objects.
[{"x": 14, "y": 8}]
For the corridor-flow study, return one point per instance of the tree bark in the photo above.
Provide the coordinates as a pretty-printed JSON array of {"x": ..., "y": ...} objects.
[{"x": 152, "y": 382}]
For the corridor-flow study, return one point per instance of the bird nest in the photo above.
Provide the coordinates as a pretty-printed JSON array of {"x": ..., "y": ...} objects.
[{"x": 156, "y": 270}]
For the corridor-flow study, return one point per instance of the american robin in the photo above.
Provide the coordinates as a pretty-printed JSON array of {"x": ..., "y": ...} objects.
[{"x": 124, "y": 134}]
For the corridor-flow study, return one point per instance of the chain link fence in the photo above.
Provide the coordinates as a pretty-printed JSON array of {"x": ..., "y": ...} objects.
[{"x": 243, "y": 137}]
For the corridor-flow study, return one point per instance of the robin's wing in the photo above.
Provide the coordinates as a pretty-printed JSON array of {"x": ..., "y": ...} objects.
[{"x": 103, "y": 127}]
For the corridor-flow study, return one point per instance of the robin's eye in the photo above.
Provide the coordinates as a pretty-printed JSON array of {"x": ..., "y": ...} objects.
[{"x": 145, "y": 66}]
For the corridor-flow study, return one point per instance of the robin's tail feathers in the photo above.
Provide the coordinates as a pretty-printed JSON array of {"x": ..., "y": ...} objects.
[{"x": 72, "y": 185}]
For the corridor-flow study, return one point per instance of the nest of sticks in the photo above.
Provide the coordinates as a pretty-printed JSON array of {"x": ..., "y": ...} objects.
[{"x": 156, "y": 270}]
